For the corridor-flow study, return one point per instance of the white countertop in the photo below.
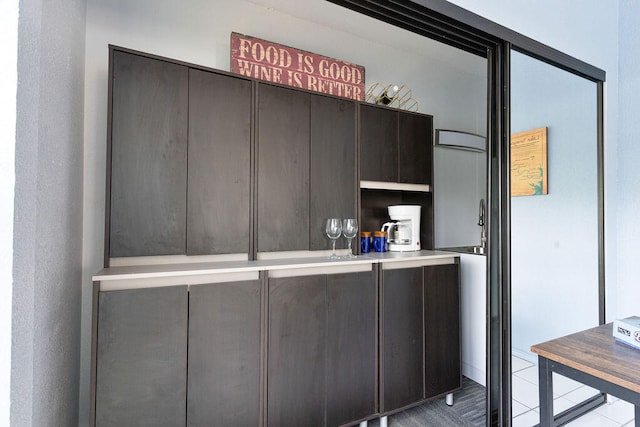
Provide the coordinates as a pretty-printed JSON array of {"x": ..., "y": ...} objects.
[{"x": 224, "y": 267}]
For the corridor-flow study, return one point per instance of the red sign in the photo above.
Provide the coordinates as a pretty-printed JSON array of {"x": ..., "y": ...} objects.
[{"x": 264, "y": 60}]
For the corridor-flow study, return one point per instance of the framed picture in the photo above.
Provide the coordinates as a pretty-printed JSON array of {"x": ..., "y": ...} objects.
[{"x": 529, "y": 163}]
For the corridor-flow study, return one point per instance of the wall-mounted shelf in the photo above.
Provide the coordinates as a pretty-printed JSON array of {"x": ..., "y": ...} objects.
[{"x": 396, "y": 186}]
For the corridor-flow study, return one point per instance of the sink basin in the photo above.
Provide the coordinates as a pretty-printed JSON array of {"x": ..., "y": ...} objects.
[{"x": 477, "y": 250}]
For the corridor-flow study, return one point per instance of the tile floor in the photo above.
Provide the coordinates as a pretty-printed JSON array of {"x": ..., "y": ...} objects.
[{"x": 615, "y": 413}]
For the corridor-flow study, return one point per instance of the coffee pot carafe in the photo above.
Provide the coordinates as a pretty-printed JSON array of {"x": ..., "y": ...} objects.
[{"x": 404, "y": 228}]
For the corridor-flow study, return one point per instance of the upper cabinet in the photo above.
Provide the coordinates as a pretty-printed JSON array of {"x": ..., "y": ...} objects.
[
  {"x": 306, "y": 147},
  {"x": 180, "y": 160},
  {"x": 219, "y": 176},
  {"x": 415, "y": 148},
  {"x": 395, "y": 146},
  {"x": 204, "y": 162},
  {"x": 148, "y": 156},
  {"x": 283, "y": 169},
  {"x": 378, "y": 144},
  {"x": 333, "y": 173}
]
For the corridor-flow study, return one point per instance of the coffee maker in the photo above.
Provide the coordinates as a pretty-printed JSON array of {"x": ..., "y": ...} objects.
[{"x": 404, "y": 228}]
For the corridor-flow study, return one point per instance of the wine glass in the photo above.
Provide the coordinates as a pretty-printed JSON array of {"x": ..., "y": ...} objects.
[
  {"x": 349, "y": 230},
  {"x": 333, "y": 230}
]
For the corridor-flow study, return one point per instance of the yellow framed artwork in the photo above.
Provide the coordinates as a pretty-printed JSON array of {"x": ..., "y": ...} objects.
[{"x": 529, "y": 163}]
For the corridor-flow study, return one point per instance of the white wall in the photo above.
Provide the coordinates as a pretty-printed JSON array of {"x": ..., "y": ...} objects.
[
  {"x": 628, "y": 267},
  {"x": 588, "y": 30},
  {"x": 554, "y": 237},
  {"x": 8, "y": 89}
]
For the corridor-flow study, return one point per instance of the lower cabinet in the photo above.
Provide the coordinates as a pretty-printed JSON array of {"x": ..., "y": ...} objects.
[
  {"x": 420, "y": 334},
  {"x": 321, "y": 358},
  {"x": 402, "y": 351},
  {"x": 224, "y": 354},
  {"x": 296, "y": 359},
  {"x": 288, "y": 349},
  {"x": 176, "y": 356},
  {"x": 351, "y": 347},
  {"x": 141, "y": 357},
  {"x": 443, "y": 354}
]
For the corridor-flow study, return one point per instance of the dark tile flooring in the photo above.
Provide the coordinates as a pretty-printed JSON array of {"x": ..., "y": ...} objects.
[{"x": 468, "y": 410}]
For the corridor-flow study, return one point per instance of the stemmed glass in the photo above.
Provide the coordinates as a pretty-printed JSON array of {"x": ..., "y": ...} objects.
[
  {"x": 350, "y": 230},
  {"x": 333, "y": 230}
]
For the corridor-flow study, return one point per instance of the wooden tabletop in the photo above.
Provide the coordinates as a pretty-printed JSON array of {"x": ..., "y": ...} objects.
[{"x": 596, "y": 352}]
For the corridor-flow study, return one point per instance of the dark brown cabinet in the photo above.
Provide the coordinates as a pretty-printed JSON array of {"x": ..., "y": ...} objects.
[
  {"x": 442, "y": 329},
  {"x": 420, "y": 344},
  {"x": 321, "y": 369},
  {"x": 395, "y": 145},
  {"x": 141, "y": 360},
  {"x": 333, "y": 174},
  {"x": 402, "y": 347},
  {"x": 148, "y": 156},
  {"x": 148, "y": 337},
  {"x": 219, "y": 174},
  {"x": 205, "y": 162},
  {"x": 415, "y": 148},
  {"x": 287, "y": 350},
  {"x": 378, "y": 144},
  {"x": 351, "y": 347},
  {"x": 297, "y": 337},
  {"x": 306, "y": 167},
  {"x": 283, "y": 169},
  {"x": 224, "y": 354},
  {"x": 166, "y": 116}
]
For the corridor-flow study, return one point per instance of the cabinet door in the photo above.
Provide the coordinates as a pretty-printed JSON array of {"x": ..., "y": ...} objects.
[
  {"x": 283, "y": 169},
  {"x": 219, "y": 164},
  {"x": 378, "y": 144},
  {"x": 442, "y": 329},
  {"x": 296, "y": 360},
  {"x": 402, "y": 338},
  {"x": 142, "y": 357},
  {"x": 415, "y": 148},
  {"x": 224, "y": 354},
  {"x": 333, "y": 185},
  {"x": 351, "y": 347},
  {"x": 148, "y": 157}
]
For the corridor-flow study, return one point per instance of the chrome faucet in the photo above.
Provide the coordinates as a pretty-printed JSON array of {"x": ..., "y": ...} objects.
[{"x": 481, "y": 223}]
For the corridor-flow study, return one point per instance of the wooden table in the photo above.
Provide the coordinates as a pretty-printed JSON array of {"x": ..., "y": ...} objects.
[{"x": 591, "y": 357}]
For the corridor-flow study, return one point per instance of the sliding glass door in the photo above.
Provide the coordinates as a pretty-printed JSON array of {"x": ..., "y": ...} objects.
[{"x": 555, "y": 217}]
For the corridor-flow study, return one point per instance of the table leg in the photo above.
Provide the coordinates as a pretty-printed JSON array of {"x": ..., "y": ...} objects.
[{"x": 545, "y": 391}]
